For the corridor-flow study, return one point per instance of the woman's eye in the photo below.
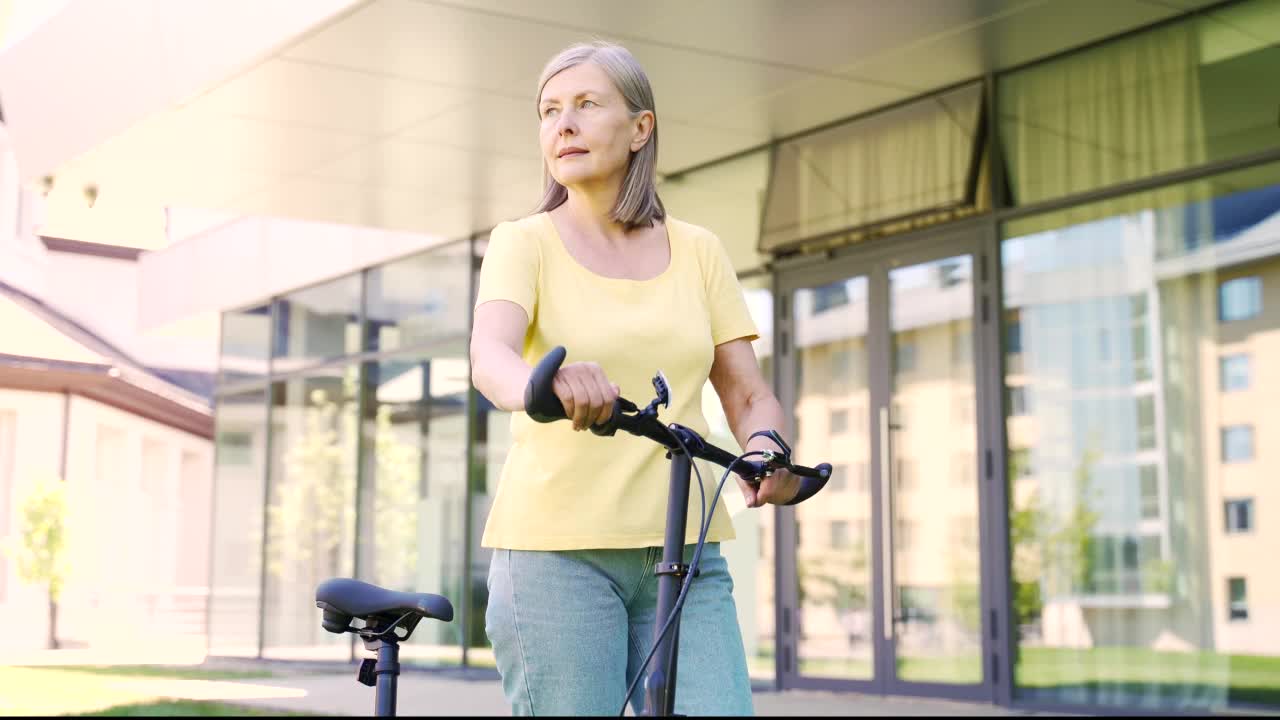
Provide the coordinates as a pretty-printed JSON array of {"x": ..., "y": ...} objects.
[
  {"x": 588, "y": 102},
  {"x": 548, "y": 112}
]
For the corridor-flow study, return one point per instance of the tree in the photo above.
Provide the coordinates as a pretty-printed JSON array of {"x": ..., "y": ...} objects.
[
  {"x": 1073, "y": 541},
  {"x": 314, "y": 504},
  {"x": 41, "y": 553},
  {"x": 311, "y": 518}
]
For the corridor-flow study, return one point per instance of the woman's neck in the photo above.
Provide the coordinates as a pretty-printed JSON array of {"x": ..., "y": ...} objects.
[{"x": 590, "y": 211}]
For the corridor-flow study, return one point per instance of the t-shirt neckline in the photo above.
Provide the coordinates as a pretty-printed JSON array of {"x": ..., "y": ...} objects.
[{"x": 559, "y": 242}]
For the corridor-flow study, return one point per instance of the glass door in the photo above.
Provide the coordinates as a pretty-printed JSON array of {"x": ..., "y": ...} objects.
[{"x": 886, "y": 592}]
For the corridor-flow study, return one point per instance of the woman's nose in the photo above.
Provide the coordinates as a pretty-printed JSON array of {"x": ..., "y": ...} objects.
[{"x": 566, "y": 124}]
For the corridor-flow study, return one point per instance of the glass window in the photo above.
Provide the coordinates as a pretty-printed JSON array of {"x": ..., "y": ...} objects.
[
  {"x": 1146, "y": 405},
  {"x": 839, "y": 480},
  {"x": 311, "y": 510},
  {"x": 1173, "y": 97},
  {"x": 1013, "y": 334},
  {"x": 904, "y": 531},
  {"x": 1017, "y": 402},
  {"x": 412, "y": 495},
  {"x": 840, "y": 365},
  {"x": 316, "y": 324},
  {"x": 834, "y": 583},
  {"x": 1020, "y": 463},
  {"x": 961, "y": 344},
  {"x": 962, "y": 531},
  {"x": 419, "y": 299},
  {"x": 963, "y": 469},
  {"x": 1149, "y": 491},
  {"x": 1237, "y": 443},
  {"x": 830, "y": 296},
  {"x": 861, "y": 480},
  {"x": 904, "y": 352},
  {"x": 241, "y": 473},
  {"x": 906, "y": 475},
  {"x": 1108, "y": 531},
  {"x": 1240, "y": 299},
  {"x": 839, "y": 421},
  {"x": 1140, "y": 354},
  {"x": 839, "y": 534},
  {"x": 246, "y": 345},
  {"x": 1234, "y": 372},
  {"x": 1239, "y": 515},
  {"x": 887, "y": 166},
  {"x": 1238, "y": 592}
]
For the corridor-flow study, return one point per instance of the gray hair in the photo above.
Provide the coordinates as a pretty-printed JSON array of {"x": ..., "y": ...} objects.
[{"x": 638, "y": 204}]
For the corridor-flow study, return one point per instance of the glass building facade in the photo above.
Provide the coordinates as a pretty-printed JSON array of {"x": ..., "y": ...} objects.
[{"x": 1033, "y": 321}]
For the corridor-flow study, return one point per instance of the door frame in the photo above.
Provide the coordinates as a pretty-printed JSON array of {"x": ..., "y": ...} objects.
[{"x": 977, "y": 237}]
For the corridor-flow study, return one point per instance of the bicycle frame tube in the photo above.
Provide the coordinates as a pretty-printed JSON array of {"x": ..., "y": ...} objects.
[{"x": 660, "y": 688}]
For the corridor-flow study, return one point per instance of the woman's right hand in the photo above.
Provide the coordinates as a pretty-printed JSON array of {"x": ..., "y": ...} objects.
[{"x": 586, "y": 393}]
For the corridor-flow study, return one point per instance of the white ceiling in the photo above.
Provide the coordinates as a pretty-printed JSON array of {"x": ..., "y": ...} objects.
[{"x": 418, "y": 114}]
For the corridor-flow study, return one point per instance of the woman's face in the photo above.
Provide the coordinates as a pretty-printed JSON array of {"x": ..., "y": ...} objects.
[{"x": 587, "y": 133}]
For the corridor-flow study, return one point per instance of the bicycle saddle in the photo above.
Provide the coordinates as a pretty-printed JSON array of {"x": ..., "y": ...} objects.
[{"x": 345, "y": 598}]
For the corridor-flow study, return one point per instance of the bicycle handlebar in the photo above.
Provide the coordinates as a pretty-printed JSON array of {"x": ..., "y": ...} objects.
[{"x": 543, "y": 406}]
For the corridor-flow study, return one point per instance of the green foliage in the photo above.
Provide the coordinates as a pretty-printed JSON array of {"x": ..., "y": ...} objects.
[
  {"x": 41, "y": 550},
  {"x": 312, "y": 514}
]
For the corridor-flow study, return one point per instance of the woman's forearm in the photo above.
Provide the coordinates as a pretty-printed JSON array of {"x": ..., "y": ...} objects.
[
  {"x": 760, "y": 412},
  {"x": 499, "y": 373}
]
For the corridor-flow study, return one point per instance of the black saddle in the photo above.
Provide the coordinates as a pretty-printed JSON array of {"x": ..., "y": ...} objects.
[{"x": 343, "y": 598}]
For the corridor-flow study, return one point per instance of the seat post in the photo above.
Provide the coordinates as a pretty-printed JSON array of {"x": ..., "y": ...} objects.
[{"x": 387, "y": 672}]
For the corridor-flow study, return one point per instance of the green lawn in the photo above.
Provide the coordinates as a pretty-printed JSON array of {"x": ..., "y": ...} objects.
[
  {"x": 184, "y": 708},
  {"x": 123, "y": 690},
  {"x": 1245, "y": 679},
  {"x": 163, "y": 671}
]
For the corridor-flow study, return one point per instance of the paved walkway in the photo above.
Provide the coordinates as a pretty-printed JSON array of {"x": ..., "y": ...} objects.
[
  {"x": 331, "y": 689},
  {"x": 441, "y": 693},
  {"x": 432, "y": 694}
]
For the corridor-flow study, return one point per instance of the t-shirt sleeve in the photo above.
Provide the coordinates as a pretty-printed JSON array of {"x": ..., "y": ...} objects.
[
  {"x": 730, "y": 318},
  {"x": 509, "y": 270}
]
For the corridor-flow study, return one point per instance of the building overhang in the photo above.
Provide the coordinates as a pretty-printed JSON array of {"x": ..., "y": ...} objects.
[{"x": 108, "y": 385}]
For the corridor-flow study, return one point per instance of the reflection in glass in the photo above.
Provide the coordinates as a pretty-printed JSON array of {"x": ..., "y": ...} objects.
[
  {"x": 1172, "y": 97},
  {"x": 246, "y": 345},
  {"x": 241, "y": 450},
  {"x": 318, "y": 323},
  {"x": 903, "y": 161},
  {"x": 1124, "y": 576},
  {"x": 311, "y": 509},
  {"x": 411, "y": 501},
  {"x": 833, "y": 554},
  {"x": 418, "y": 299},
  {"x": 937, "y": 611}
]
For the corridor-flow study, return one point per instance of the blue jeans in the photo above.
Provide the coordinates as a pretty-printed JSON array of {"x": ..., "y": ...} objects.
[{"x": 570, "y": 628}]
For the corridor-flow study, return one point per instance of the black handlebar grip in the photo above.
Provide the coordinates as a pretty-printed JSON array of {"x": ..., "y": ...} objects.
[
  {"x": 811, "y": 481},
  {"x": 822, "y": 472},
  {"x": 540, "y": 399}
]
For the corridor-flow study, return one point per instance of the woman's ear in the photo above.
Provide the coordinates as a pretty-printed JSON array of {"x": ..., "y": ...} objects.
[{"x": 643, "y": 128}]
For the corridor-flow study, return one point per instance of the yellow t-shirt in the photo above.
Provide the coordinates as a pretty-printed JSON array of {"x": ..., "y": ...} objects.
[{"x": 566, "y": 490}]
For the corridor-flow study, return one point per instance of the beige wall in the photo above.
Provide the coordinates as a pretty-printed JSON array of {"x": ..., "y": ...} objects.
[
  {"x": 137, "y": 526},
  {"x": 1248, "y": 555}
]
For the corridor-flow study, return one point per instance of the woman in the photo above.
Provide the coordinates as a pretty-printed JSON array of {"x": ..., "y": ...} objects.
[{"x": 577, "y": 522}]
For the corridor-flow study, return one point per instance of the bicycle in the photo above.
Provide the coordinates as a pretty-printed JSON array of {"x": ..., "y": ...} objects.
[{"x": 674, "y": 576}]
